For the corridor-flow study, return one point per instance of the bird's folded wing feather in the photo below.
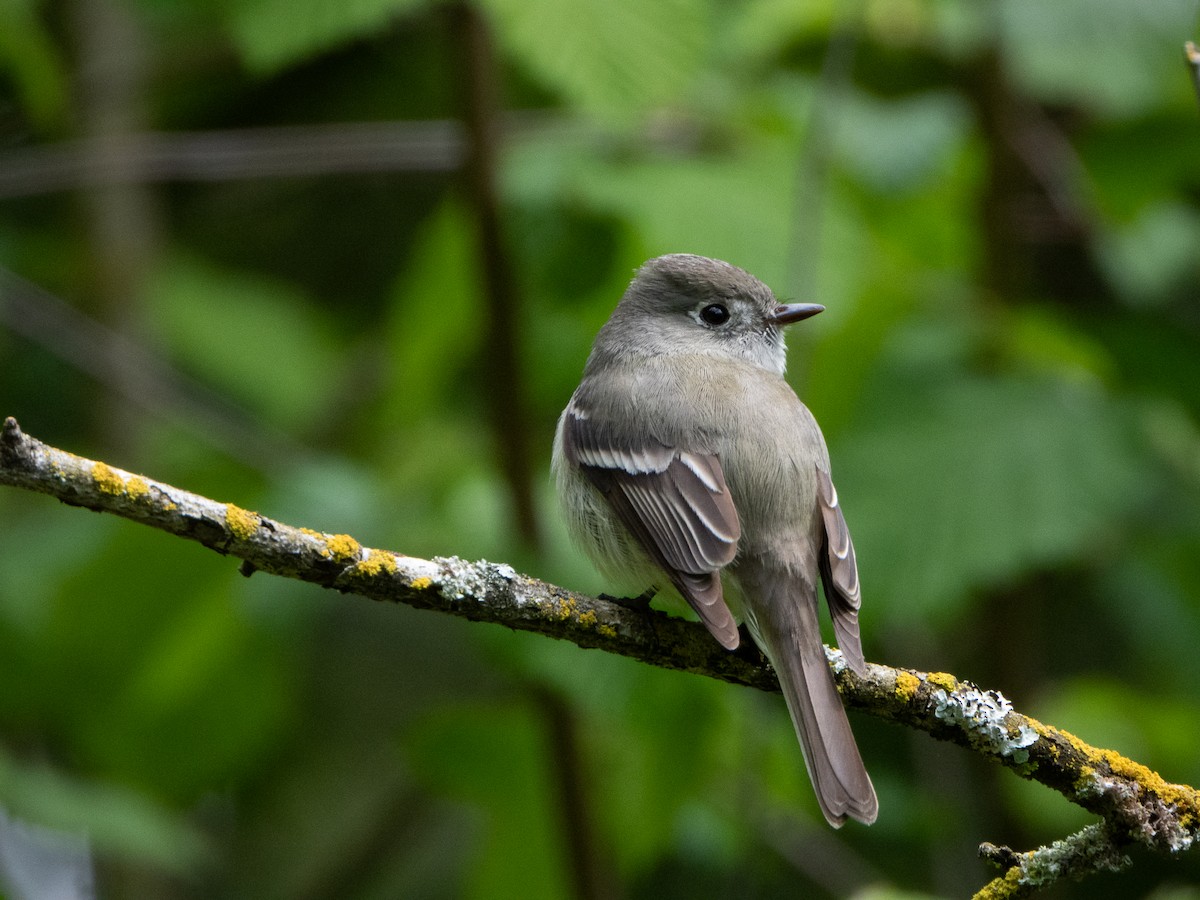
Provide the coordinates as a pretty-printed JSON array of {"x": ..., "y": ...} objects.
[
  {"x": 676, "y": 505},
  {"x": 839, "y": 574}
]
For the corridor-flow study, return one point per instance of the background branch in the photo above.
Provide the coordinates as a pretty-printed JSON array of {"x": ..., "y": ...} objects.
[{"x": 1136, "y": 804}]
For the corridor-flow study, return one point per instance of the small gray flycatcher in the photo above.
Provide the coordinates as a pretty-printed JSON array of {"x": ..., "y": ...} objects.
[{"x": 685, "y": 455}]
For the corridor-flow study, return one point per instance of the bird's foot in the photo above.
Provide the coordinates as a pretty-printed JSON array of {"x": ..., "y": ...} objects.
[{"x": 640, "y": 603}]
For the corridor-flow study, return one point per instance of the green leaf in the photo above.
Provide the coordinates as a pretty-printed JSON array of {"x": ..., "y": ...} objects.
[
  {"x": 28, "y": 54},
  {"x": 436, "y": 308},
  {"x": 612, "y": 58},
  {"x": 117, "y": 820},
  {"x": 1157, "y": 256},
  {"x": 1109, "y": 55},
  {"x": 763, "y": 29},
  {"x": 494, "y": 757},
  {"x": 274, "y": 34},
  {"x": 962, "y": 483},
  {"x": 899, "y": 145},
  {"x": 259, "y": 340},
  {"x": 733, "y": 205}
]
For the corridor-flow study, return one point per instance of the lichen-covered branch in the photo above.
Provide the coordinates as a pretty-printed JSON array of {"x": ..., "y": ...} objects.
[
  {"x": 1084, "y": 853},
  {"x": 1135, "y": 804}
]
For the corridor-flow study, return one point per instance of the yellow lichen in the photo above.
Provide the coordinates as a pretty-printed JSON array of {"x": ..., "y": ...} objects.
[
  {"x": 421, "y": 583},
  {"x": 378, "y": 562},
  {"x": 943, "y": 680},
  {"x": 907, "y": 685},
  {"x": 1178, "y": 795},
  {"x": 563, "y": 608},
  {"x": 1080, "y": 745},
  {"x": 107, "y": 479},
  {"x": 344, "y": 548},
  {"x": 1005, "y": 886},
  {"x": 137, "y": 488},
  {"x": 241, "y": 523}
]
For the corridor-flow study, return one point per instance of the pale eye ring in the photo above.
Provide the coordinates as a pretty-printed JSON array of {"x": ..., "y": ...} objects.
[{"x": 715, "y": 314}]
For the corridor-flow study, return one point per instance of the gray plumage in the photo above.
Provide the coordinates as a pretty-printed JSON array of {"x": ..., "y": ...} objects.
[{"x": 685, "y": 454}]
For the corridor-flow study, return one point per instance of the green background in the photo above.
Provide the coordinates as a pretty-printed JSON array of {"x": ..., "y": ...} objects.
[{"x": 999, "y": 203}]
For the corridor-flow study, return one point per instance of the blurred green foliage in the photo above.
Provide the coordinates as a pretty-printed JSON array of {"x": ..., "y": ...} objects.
[{"x": 998, "y": 203}]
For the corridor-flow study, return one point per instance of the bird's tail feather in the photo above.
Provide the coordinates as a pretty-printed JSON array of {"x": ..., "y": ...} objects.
[{"x": 784, "y": 625}]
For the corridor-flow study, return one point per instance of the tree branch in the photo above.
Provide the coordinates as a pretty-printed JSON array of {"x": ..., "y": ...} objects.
[
  {"x": 1083, "y": 853},
  {"x": 1135, "y": 804}
]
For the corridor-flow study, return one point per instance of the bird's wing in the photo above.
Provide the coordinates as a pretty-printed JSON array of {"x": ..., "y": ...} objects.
[
  {"x": 839, "y": 574},
  {"x": 674, "y": 502}
]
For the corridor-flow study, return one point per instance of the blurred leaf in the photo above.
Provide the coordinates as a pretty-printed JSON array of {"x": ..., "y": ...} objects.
[
  {"x": 435, "y": 327},
  {"x": 1175, "y": 892},
  {"x": 954, "y": 485},
  {"x": 261, "y": 341},
  {"x": 1108, "y": 55},
  {"x": 201, "y": 706},
  {"x": 37, "y": 556},
  {"x": 33, "y": 62},
  {"x": 1165, "y": 150},
  {"x": 891, "y": 893},
  {"x": 1155, "y": 257},
  {"x": 899, "y": 145},
  {"x": 156, "y": 680},
  {"x": 657, "y": 742},
  {"x": 1151, "y": 597},
  {"x": 274, "y": 34},
  {"x": 496, "y": 758},
  {"x": 763, "y": 28},
  {"x": 1039, "y": 340},
  {"x": 717, "y": 204},
  {"x": 118, "y": 821},
  {"x": 1152, "y": 354},
  {"x": 613, "y": 58}
]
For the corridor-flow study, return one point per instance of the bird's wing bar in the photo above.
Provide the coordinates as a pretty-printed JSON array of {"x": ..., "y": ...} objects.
[{"x": 674, "y": 502}]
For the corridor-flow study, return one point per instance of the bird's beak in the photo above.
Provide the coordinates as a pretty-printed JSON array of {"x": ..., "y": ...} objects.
[{"x": 787, "y": 313}]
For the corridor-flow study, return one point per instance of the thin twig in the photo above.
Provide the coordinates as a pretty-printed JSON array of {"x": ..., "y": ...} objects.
[
  {"x": 148, "y": 380},
  {"x": 1086, "y": 852},
  {"x": 285, "y": 151},
  {"x": 1136, "y": 804}
]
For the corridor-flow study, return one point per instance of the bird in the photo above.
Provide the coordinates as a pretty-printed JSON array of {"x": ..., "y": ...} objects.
[{"x": 684, "y": 460}]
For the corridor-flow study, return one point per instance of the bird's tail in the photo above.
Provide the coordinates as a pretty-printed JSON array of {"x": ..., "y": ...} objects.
[{"x": 784, "y": 624}]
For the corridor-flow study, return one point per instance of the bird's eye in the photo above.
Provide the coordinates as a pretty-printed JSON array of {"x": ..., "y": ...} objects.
[{"x": 715, "y": 314}]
